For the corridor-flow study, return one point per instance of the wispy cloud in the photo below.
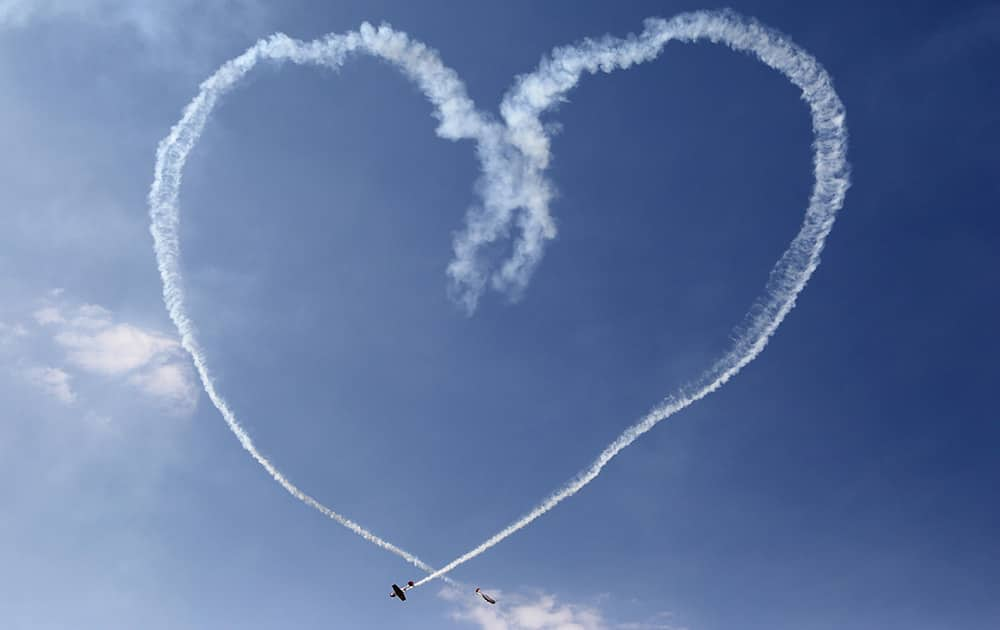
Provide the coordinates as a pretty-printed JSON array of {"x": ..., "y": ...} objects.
[
  {"x": 660, "y": 621},
  {"x": 517, "y": 612},
  {"x": 171, "y": 382},
  {"x": 11, "y": 332},
  {"x": 53, "y": 381},
  {"x": 93, "y": 343},
  {"x": 86, "y": 316},
  {"x": 114, "y": 349},
  {"x": 48, "y": 315},
  {"x": 175, "y": 33},
  {"x": 152, "y": 20},
  {"x": 541, "y": 611}
]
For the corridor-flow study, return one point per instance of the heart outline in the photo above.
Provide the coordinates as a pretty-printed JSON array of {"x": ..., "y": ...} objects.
[{"x": 521, "y": 146}]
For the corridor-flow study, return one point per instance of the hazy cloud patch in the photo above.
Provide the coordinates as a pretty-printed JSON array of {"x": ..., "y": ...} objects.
[
  {"x": 518, "y": 612},
  {"x": 171, "y": 33},
  {"x": 541, "y": 611},
  {"x": 152, "y": 20},
  {"x": 114, "y": 349},
  {"x": 9, "y": 333},
  {"x": 53, "y": 381},
  {"x": 171, "y": 382},
  {"x": 48, "y": 315},
  {"x": 91, "y": 342}
]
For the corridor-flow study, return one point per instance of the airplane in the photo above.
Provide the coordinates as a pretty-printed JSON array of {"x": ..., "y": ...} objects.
[
  {"x": 485, "y": 596},
  {"x": 401, "y": 592}
]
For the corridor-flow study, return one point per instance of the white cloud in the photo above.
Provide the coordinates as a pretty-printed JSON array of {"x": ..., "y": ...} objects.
[
  {"x": 541, "y": 612},
  {"x": 116, "y": 349},
  {"x": 54, "y": 382},
  {"x": 92, "y": 316},
  {"x": 87, "y": 316},
  {"x": 172, "y": 382},
  {"x": 94, "y": 343},
  {"x": 155, "y": 22},
  {"x": 659, "y": 621},
  {"x": 48, "y": 315},
  {"x": 10, "y": 332}
]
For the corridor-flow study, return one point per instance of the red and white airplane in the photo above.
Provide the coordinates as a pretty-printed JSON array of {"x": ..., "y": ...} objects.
[{"x": 401, "y": 592}]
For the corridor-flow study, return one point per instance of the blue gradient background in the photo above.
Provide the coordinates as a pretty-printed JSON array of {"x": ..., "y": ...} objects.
[{"x": 845, "y": 479}]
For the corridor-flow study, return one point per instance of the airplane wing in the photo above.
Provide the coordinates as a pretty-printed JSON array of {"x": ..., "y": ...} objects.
[{"x": 398, "y": 592}]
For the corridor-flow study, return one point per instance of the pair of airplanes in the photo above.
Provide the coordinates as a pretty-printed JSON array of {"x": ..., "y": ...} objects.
[{"x": 401, "y": 593}]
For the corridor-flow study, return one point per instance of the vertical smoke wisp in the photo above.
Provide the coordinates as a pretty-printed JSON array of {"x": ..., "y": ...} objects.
[
  {"x": 535, "y": 93},
  {"x": 457, "y": 116}
]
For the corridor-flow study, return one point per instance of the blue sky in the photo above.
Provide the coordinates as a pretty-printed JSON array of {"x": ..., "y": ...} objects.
[{"x": 844, "y": 478}]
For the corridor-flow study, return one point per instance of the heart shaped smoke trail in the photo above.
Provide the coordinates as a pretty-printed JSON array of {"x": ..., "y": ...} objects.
[{"x": 514, "y": 155}]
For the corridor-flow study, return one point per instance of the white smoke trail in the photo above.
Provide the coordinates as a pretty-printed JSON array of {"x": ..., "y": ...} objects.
[
  {"x": 458, "y": 119},
  {"x": 514, "y": 156},
  {"x": 535, "y": 93}
]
